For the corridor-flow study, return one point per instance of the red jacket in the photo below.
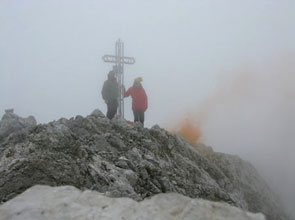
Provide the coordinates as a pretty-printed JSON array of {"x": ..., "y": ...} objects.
[{"x": 139, "y": 98}]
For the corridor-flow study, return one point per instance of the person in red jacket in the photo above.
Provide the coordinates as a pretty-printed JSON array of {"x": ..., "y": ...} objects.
[{"x": 139, "y": 100}]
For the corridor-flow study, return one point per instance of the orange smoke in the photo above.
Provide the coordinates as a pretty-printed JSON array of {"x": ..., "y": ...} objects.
[{"x": 188, "y": 130}]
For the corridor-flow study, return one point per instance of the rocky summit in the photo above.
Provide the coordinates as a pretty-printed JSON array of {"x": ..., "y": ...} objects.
[{"x": 119, "y": 159}]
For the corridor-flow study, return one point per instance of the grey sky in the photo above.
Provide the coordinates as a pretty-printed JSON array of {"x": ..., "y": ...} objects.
[
  {"x": 51, "y": 67},
  {"x": 50, "y": 51}
]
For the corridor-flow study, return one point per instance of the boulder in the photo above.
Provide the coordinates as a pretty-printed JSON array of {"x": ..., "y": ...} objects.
[
  {"x": 12, "y": 123},
  {"x": 67, "y": 202}
]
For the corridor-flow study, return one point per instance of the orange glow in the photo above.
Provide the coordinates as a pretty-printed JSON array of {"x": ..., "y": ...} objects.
[{"x": 189, "y": 131}]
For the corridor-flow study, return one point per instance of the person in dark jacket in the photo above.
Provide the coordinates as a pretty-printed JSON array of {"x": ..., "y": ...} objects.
[
  {"x": 139, "y": 100},
  {"x": 110, "y": 94}
]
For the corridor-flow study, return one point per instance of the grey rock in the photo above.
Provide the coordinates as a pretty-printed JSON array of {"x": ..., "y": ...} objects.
[
  {"x": 124, "y": 160},
  {"x": 67, "y": 202},
  {"x": 13, "y": 124},
  {"x": 8, "y": 111},
  {"x": 98, "y": 113}
]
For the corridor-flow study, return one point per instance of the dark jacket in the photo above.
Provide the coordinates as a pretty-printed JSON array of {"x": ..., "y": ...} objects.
[
  {"x": 110, "y": 89},
  {"x": 139, "y": 98}
]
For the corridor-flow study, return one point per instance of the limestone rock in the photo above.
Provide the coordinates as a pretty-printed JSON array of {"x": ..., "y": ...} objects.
[
  {"x": 124, "y": 160},
  {"x": 67, "y": 202},
  {"x": 12, "y": 123},
  {"x": 97, "y": 113}
]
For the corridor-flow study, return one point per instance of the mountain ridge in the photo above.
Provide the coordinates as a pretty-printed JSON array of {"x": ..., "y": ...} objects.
[{"x": 120, "y": 159}]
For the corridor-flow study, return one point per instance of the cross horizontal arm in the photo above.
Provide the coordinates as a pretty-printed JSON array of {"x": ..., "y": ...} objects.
[{"x": 113, "y": 59}]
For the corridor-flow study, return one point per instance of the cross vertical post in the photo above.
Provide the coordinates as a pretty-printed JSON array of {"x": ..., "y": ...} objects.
[{"x": 119, "y": 60}]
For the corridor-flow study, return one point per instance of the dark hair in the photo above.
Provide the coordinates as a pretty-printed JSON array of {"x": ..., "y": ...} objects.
[{"x": 111, "y": 73}]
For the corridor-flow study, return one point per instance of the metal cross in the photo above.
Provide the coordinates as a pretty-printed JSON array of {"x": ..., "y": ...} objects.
[{"x": 119, "y": 61}]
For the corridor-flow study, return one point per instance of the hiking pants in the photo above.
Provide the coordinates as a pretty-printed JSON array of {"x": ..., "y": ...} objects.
[
  {"x": 138, "y": 116},
  {"x": 112, "y": 108}
]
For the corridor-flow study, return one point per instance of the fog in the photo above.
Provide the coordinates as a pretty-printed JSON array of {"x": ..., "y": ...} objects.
[
  {"x": 227, "y": 64},
  {"x": 252, "y": 113}
]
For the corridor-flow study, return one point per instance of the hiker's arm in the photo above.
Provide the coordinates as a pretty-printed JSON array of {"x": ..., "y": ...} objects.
[
  {"x": 145, "y": 100},
  {"x": 103, "y": 91},
  {"x": 127, "y": 93}
]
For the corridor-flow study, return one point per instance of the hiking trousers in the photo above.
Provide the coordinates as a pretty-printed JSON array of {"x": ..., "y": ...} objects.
[
  {"x": 112, "y": 108},
  {"x": 138, "y": 116}
]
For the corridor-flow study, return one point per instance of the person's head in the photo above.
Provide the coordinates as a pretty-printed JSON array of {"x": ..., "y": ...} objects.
[
  {"x": 112, "y": 75},
  {"x": 137, "y": 83}
]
